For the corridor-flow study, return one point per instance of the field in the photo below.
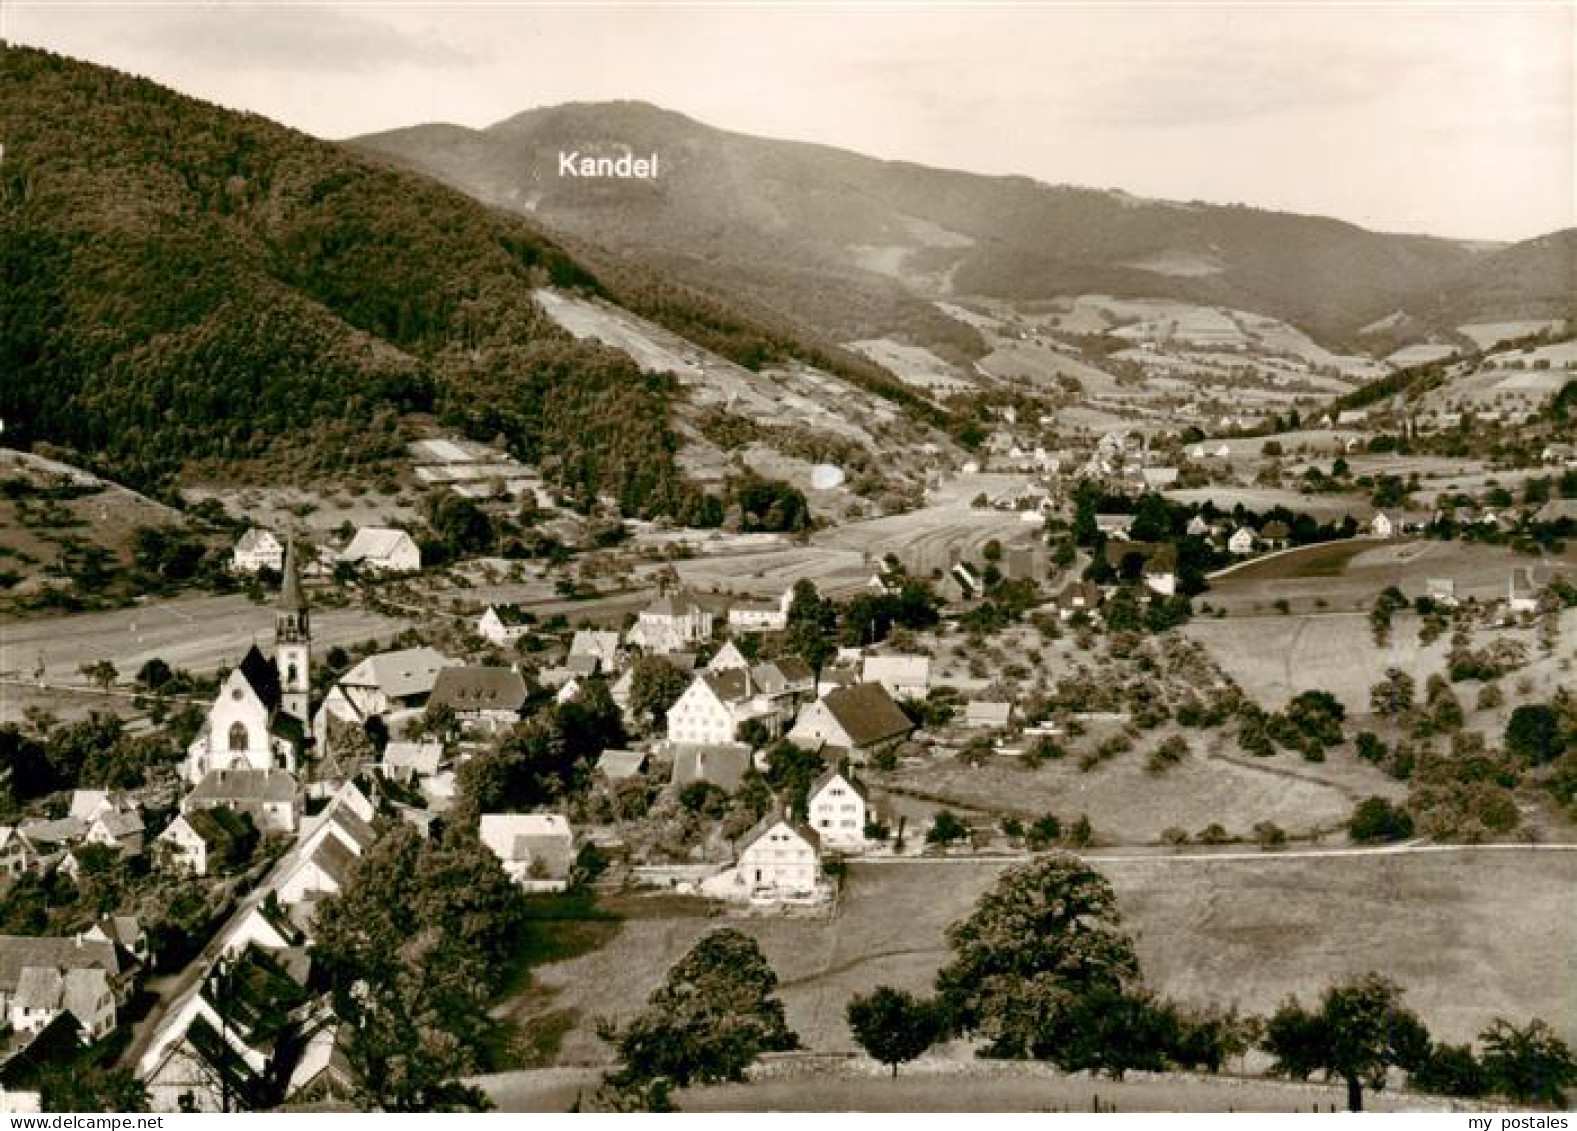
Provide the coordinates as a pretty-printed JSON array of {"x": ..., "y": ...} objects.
[
  {"x": 1128, "y": 805},
  {"x": 198, "y": 634},
  {"x": 1470, "y": 935},
  {"x": 1326, "y": 508}
]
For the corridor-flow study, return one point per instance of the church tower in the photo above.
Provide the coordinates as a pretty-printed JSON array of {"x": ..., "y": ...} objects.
[{"x": 293, "y": 642}]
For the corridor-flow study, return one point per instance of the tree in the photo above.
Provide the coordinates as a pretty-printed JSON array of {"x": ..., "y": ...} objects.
[
  {"x": 655, "y": 685},
  {"x": 100, "y": 672},
  {"x": 154, "y": 674},
  {"x": 1530, "y": 1064},
  {"x": 1375, "y": 820},
  {"x": 1360, "y": 1030},
  {"x": 1393, "y": 695},
  {"x": 812, "y": 622},
  {"x": 1043, "y": 938},
  {"x": 1533, "y": 734},
  {"x": 893, "y": 1026},
  {"x": 946, "y": 829},
  {"x": 713, "y": 1015}
]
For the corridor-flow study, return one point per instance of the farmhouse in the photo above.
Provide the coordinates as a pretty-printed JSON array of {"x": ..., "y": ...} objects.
[
  {"x": 536, "y": 849},
  {"x": 383, "y": 549},
  {"x": 761, "y": 616},
  {"x": 43, "y": 993},
  {"x": 489, "y": 697},
  {"x": 504, "y": 624},
  {"x": 270, "y": 797},
  {"x": 862, "y": 719},
  {"x": 21, "y": 953},
  {"x": 406, "y": 761},
  {"x": 716, "y": 704},
  {"x": 1242, "y": 540},
  {"x": 779, "y": 858},
  {"x": 380, "y": 685},
  {"x": 839, "y": 810},
  {"x": 256, "y": 550},
  {"x": 318, "y": 874},
  {"x": 598, "y": 644}
]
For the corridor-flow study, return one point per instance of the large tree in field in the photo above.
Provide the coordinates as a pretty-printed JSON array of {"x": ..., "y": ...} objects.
[
  {"x": 1359, "y": 1032},
  {"x": 1046, "y": 937},
  {"x": 1530, "y": 1064},
  {"x": 714, "y": 1014},
  {"x": 893, "y": 1026}
]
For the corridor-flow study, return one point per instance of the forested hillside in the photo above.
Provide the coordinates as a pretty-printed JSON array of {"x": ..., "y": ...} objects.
[{"x": 188, "y": 288}]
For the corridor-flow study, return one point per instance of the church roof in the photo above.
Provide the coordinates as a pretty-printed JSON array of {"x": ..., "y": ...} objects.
[
  {"x": 290, "y": 595},
  {"x": 262, "y": 676}
]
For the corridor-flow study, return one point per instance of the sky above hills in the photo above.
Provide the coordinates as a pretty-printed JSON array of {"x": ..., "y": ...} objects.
[{"x": 1451, "y": 118}]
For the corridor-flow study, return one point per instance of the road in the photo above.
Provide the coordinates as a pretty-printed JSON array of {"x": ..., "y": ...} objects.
[{"x": 1163, "y": 855}]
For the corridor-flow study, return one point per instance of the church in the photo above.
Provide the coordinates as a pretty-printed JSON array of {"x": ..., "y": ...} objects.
[{"x": 259, "y": 719}]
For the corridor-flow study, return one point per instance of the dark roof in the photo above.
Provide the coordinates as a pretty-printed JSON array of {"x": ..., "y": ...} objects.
[
  {"x": 1157, "y": 556},
  {"x": 18, "y": 952},
  {"x": 731, "y": 685},
  {"x": 867, "y": 713},
  {"x": 262, "y": 676},
  {"x": 245, "y": 785},
  {"x": 833, "y": 772},
  {"x": 723, "y": 766},
  {"x": 513, "y": 615},
  {"x": 778, "y": 675},
  {"x": 290, "y": 596},
  {"x": 770, "y": 822},
  {"x": 217, "y": 826},
  {"x": 480, "y": 689}
]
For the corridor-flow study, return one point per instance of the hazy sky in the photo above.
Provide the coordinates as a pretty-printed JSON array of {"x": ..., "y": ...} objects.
[{"x": 1452, "y": 118}]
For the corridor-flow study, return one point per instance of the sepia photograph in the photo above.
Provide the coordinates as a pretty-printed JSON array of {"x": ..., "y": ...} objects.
[{"x": 795, "y": 556}]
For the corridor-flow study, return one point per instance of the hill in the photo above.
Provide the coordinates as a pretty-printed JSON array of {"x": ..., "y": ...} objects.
[
  {"x": 194, "y": 294},
  {"x": 854, "y": 244}
]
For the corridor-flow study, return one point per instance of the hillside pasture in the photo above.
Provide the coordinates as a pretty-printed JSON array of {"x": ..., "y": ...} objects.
[{"x": 1471, "y": 935}]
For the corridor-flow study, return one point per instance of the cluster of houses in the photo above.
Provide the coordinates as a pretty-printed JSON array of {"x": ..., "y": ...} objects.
[
  {"x": 106, "y": 818},
  {"x": 373, "y": 549}
]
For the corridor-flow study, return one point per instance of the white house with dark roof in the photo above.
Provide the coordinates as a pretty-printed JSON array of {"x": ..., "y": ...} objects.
[
  {"x": 118, "y": 829},
  {"x": 383, "y": 549},
  {"x": 381, "y": 685},
  {"x": 839, "y": 809},
  {"x": 716, "y": 705},
  {"x": 537, "y": 850},
  {"x": 489, "y": 697},
  {"x": 504, "y": 624},
  {"x": 317, "y": 874},
  {"x": 862, "y": 718},
  {"x": 779, "y": 859},
  {"x": 258, "y": 549}
]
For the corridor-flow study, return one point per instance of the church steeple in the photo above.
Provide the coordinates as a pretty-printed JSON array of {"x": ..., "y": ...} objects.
[{"x": 293, "y": 641}]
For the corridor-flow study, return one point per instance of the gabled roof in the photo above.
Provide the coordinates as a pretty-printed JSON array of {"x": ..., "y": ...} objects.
[
  {"x": 262, "y": 676},
  {"x": 730, "y": 686},
  {"x": 120, "y": 825},
  {"x": 256, "y": 538},
  {"x": 831, "y": 774},
  {"x": 245, "y": 786},
  {"x": 777, "y": 676},
  {"x": 374, "y": 543},
  {"x": 39, "y": 987},
  {"x": 217, "y": 826},
  {"x": 333, "y": 858},
  {"x": 724, "y": 766},
  {"x": 677, "y": 604},
  {"x": 906, "y": 670},
  {"x": 415, "y": 757},
  {"x": 475, "y": 688},
  {"x": 401, "y": 674},
  {"x": 512, "y": 616},
  {"x": 18, "y": 952},
  {"x": 772, "y": 821},
  {"x": 47, "y": 835},
  {"x": 543, "y": 839},
  {"x": 291, "y": 599},
  {"x": 988, "y": 712},
  {"x": 867, "y": 713},
  {"x": 616, "y": 765}
]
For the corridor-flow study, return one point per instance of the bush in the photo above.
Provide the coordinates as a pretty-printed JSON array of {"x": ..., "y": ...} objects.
[{"x": 1375, "y": 820}]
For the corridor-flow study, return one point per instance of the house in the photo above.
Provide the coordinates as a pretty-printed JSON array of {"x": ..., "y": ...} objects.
[
  {"x": 339, "y": 823},
  {"x": 383, "y": 549},
  {"x": 1383, "y": 525},
  {"x": 226, "y": 1042},
  {"x": 672, "y": 623},
  {"x": 1078, "y": 597},
  {"x": 1558, "y": 453},
  {"x": 715, "y": 705},
  {"x": 536, "y": 849},
  {"x": 987, "y": 713},
  {"x": 405, "y": 761},
  {"x": 568, "y": 690},
  {"x": 1158, "y": 478},
  {"x": 87, "y": 804},
  {"x": 1522, "y": 595},
  {"x": 323, "y": 1072},
  {"x": 504, "y": 624},
  {"x": 728, "y": 658},
  {"x": 256, "y": 550},
  {"x": 248, "y": 726},
  {"x": 43, "y": 993},
  {"x": 1154, "y": 563},
  {"x": 323, "y": 871},
  {"x": 1276, "y": 534},
  {"x": 1198, "y": 527},
  {"x": 271, "y": 798},
  {"x": 779, "y": 858},
  {"x": 125, "y": 931},
  {"x": 203, "y": 839},
  {"x": 618, "y": 765},
  {"x": 484, "y": 696},
  {"x": 380, "y": 685},
  {"x": 1242, "y": 540},
  {"x": 349, "y": 796},
  {"x": 48, "y": 841},
  {"x": 960, "y": 585},
  {"x": 601, "y": 645},
  {"x": 263, "y": 924},
  {"x": 1442, "y": 591},
  {"x": 839, "y": 809},
  {"x": 862, "y": 719},
  {"x": 904, "y": 677},
  {"x": 120, "y": 830},
  {"x": 16, "y": 852},
  {"x": 722, "y": 765},
  {"x": 786, "y": 682},
  {"x": 1557, "y": 510},
  {"x": 20, "y": 953},
  {"x": 761, "y": 616}
]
